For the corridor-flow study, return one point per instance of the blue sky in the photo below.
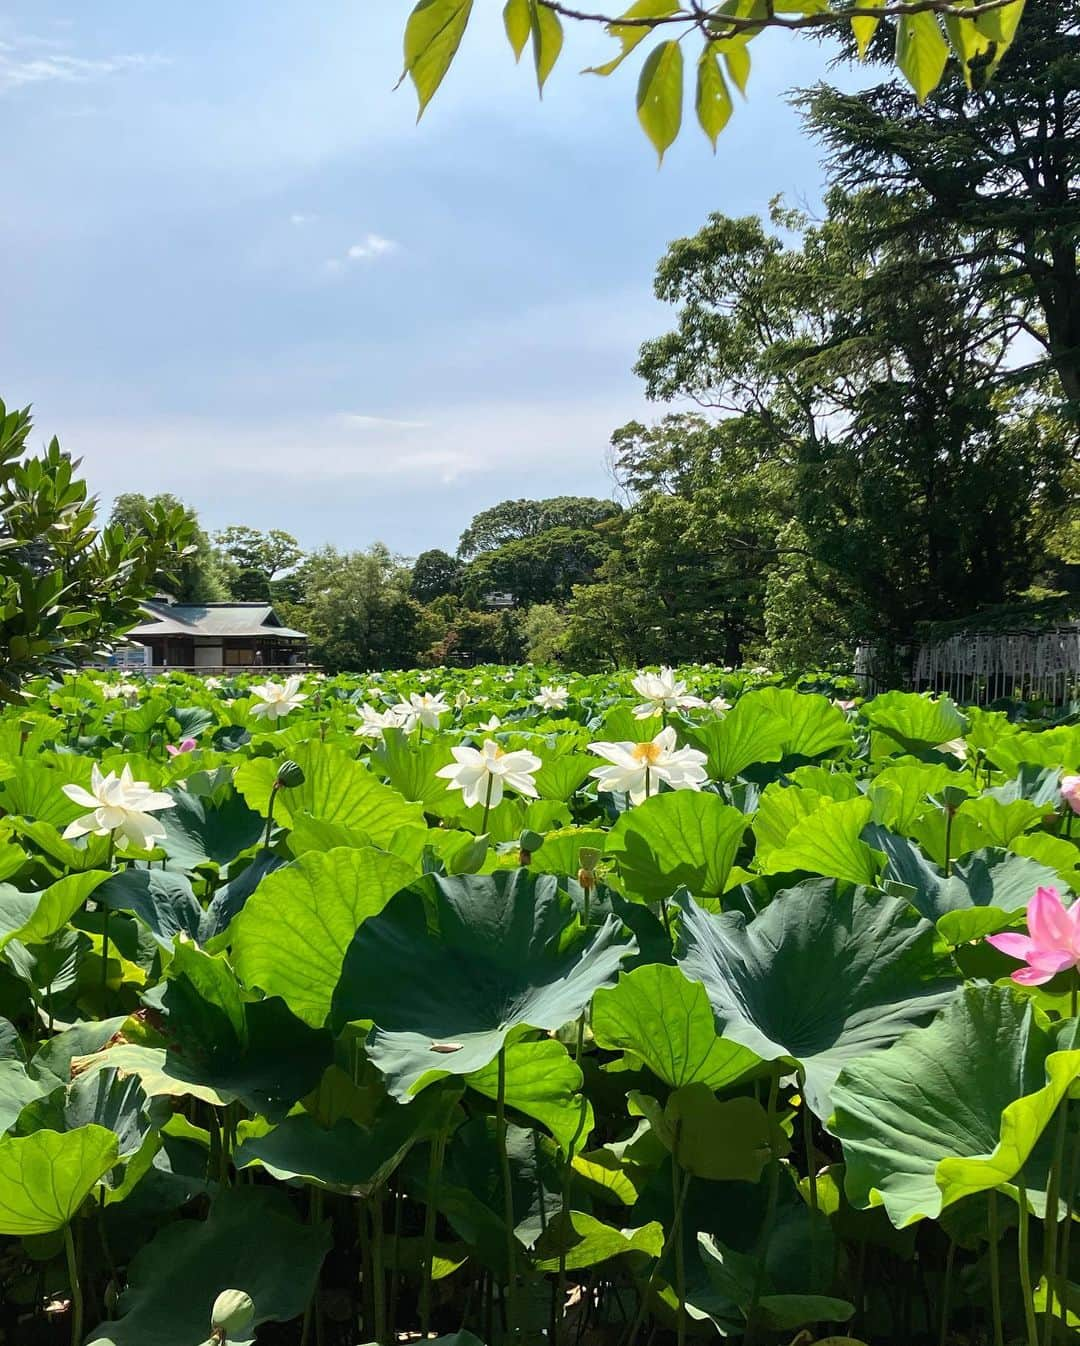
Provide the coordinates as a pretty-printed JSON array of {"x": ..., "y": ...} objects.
[{"x": 233, "y": 267}]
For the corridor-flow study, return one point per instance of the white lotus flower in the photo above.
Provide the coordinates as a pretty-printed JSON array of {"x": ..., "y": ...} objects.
[
  {"x": 276, "y": 699},
  {"x": 661, "y": 692},
  {"x": 423, "y": 709},
  {"x": 462, "y": 699},
  {"x": 375, "y": 721},
  {"x": 719, "y": 706},
  {"x": 121, "y": 805},
  {"x": 120, "y": 691},
  {"x": 551, "y": 698},
  {"x": 473, "y": 770},
  {"x": 492, "y": 724},
  {"x": 211, "y": 684},
  {"x": 638, "y": 768}
]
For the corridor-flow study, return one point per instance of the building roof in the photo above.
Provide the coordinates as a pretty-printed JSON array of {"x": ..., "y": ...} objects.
[{"x": 213, "y": 619}]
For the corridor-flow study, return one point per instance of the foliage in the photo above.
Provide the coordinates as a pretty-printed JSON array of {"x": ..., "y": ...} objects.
[
  {"x": 343, "y": 1050},
  {"x": 927, "y": 35},
  {"x": 67, "y": 588},
  {"x": 254, "y": 559},
  {"x": 197, "y": 577},
  {"x": 516, "y": 520},
  {"x": 435, "y": 574},
  {"x": 356, "y": 609}
]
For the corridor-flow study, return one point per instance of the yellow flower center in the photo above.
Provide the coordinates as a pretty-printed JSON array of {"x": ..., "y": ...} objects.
[{"x": 647, "y": 753}]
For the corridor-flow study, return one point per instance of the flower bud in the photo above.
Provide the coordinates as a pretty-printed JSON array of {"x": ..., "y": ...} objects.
[
  {"x": 232, "y": 1316},
  {"x": 289, "y": 776}
]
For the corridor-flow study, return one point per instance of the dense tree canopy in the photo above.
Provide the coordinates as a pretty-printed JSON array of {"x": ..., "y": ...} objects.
[
  {"x": 67, "y": 588},
  {"x": 197, "y": 577},
  {"x": 515, "y": 520}
]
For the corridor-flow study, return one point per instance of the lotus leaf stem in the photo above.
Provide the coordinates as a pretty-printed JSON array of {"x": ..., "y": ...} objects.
[
  {"x": 508, "y": 1196},
  {"x": 995, "y": 1267},
  {"x": 76, "y": 1287}
]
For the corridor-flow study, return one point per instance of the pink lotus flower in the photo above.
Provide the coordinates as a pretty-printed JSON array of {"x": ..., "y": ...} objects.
[
  {"x": 185, "y": 745},
  {"x": 1070, "y": 792},
  {"x": 1054, "y": 942}
]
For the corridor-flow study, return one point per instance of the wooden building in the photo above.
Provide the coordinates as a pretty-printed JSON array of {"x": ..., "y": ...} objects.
[{"x": 218, "y": 637}]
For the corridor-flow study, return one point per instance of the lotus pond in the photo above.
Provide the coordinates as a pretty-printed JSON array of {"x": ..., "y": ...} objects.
[{"x": 492, "y": 1006}]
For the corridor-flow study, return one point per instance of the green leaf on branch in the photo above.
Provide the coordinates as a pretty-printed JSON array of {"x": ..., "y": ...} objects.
[
  {"x": 432, "y": 37},
  {"x": 660, "y": 95}
]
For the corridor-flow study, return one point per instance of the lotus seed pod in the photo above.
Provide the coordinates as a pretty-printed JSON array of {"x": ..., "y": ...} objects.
[{"x": 232, "y": 1315}]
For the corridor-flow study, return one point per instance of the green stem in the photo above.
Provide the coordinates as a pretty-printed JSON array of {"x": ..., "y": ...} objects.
[
  {"x": 508, "y": 1199},
  {"x": 270, "y": 816},
  {"x": 76, "y": 1288},
  {"x": 568, "y": 1222},
  {"x": 1023, "y": 1252},
  {"x": 487, "y": 805},
  {"x": 312, "y": 1312},
  {"x": 948, "y": 840},
  {"x": 946, "y": 1293},
  {"x": 378, "y": 1270},
  {"x": 995, "y": 1269},
  {"x": 435, "y": 1165},
  {"x": 675, "y": 1232},
  {"x": 105, "y": 922},
  {"x": 767, "y": 1226},
  {"x": 680, "y": 1260}
]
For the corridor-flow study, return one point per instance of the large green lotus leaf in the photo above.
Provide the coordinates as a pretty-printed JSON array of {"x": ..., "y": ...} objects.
[
  {"x": 410, "y": 767},
  {"x": 251, "y": 1241},
  {"x": 290, "y": 939},
  {"x": 45, "y": 1177},
  {"x": 666, "y": 1021},
  {"x": 561, "y": 775},
  {"x": 829, "y": 842},
  {"x": 17, "y": 1089},
  {"x": 814, "y": 725},
  {"x": 829, "y": 780},
  {"x": 695, "y": 1119},
  {"x": 1062, "y": 856},
  {"x": 542, "y": 1082},
  {"x": 780, "y": 808},
  {"x": 982, "y": 894},
  {"x": 913, "y": 720},
  {"x": 104, "y": 1098},
  {"x": 33, "y": 918},
  {"x": 978, "y": 823},
  {"x": 901, "y": 793},
  {"x": 12, "y": 857},
  {"x": 1037, "y": 784},
  {"x": 749, "y": 733},
  {"x": 35, "y": 791},
  {"x": 201, "y": 831},
  {"x": 1048, "y": 747},
  {"x": 162, "y": 900},
  {"x": 229, "y": 900},
  {"x": 91, "y": 853},
  {"x": 347, "y": 1156},
  {"x": 216, "y": 1045},
  {"x": 952, "y": 1109},
  {"x": 447, "y": 970},
  {"x": 336, "y": 788},
  {"x": 736, "y": 1282},
  {"x": 674, "y": 839},
  {"x": 576, "y": 1240},
  {"x": 821, "y": 976},
  {"x": 560, "y": 853}
]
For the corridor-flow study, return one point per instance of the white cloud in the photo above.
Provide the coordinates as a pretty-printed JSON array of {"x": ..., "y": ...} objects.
[
  {"x": 299, "y": 219},
  {"x": 357, "y": 421},
  {"x": 32, "y": 60},
  {"x": 370, "y": 248},
  {"x": 372, "y": 245}
]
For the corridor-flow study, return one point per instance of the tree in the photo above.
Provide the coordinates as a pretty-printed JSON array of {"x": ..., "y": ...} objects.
[
  {"x": 998, "y": 165},
  {"x": 514, "y": 520},
  {"x": 434, "y": 574},
  {"x": 538, "y": 569},
  {"x": 254, "y": 559},
  {"x": 196, "y": 578},
  {"x": 978, "y": 35},
  {"x": 880, "y": 388},
  {"x": 67, "y": 590},
  {"x": 357, "y": 611}
]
